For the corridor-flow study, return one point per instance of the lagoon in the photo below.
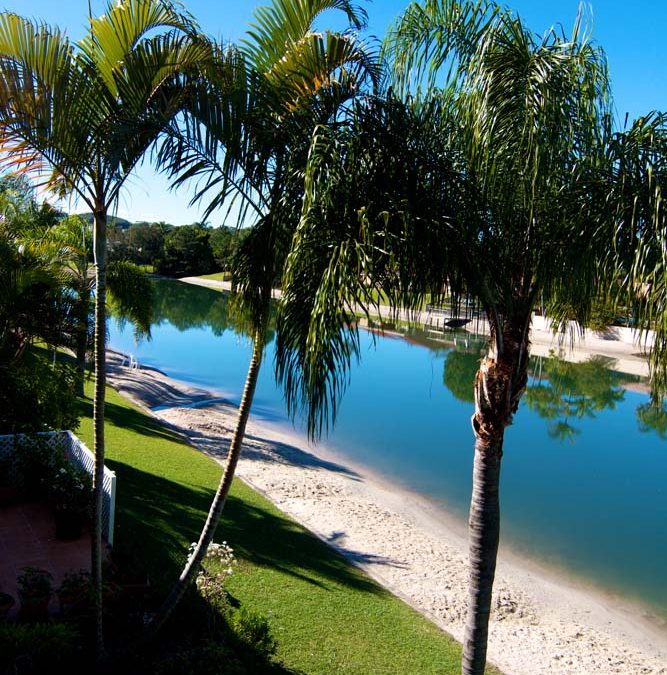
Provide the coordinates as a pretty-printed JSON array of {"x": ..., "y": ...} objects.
[{"x": 583, "y": 477}]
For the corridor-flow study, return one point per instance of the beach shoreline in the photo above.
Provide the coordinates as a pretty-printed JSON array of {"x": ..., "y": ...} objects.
[
  {"x": 542, "y": 622},
  {"x": 623, "y": 346}
]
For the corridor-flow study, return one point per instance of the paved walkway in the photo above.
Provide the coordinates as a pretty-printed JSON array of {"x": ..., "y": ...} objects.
[{"x": 27, "y": 538}]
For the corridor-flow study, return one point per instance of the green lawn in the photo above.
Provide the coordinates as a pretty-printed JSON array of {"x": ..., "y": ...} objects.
[
  {"x": 217, "y": 276},
  {"x": 327, "y": 615}
]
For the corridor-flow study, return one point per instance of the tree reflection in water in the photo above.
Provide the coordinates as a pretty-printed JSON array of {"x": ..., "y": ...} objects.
[
  {"x": 187, "y": 306},
  {"x": 652, "y": 416},
  {"x": 561, "y": 392}
]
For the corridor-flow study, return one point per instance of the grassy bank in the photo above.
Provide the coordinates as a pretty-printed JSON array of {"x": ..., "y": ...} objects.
[
  {"x": 327, "y": 616},
  {"x": 216, "y": 276}
]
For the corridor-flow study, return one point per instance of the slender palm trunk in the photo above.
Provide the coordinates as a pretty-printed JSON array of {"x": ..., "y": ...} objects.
[
  {"x": 217, "y": 505},
  {"x": 98, "y": 420},
  {"x": 82, "y": 337},
  {"x": 498, "y": 389},
  {"x": 483, "y": 537}
]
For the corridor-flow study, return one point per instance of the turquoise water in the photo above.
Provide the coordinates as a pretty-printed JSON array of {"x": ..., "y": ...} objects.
[{"x": 583, "y": 477}]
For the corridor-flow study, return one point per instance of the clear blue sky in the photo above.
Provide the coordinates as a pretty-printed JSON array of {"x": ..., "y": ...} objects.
[{"x": 631, "y": 33}]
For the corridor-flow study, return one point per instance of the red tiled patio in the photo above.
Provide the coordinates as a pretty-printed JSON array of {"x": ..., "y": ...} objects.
[{"x": 27, "y": 538}]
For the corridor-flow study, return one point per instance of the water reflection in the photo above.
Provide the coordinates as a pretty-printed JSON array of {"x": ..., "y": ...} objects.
[
  {"x": 562, "y": 392},
  {"x": 652, "y": 416},
  {"x": 460, "y": 371},
  {"x": 186, "y": 306}
]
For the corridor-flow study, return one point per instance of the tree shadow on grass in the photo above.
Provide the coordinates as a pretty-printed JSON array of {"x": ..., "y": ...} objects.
[
  {"x": 129, "y": 418},
  {"x": 155, "y": 518}
]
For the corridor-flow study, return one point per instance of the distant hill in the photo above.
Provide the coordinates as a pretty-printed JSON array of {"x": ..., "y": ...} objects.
[{"x": 112, "y": 221}]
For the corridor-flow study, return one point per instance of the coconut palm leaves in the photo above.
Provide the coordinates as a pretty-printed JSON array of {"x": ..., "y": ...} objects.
[
  {"x": 247, "y": 138},
  {"x": 378, "y": 189},
  {"x": 526, "y": 205}
]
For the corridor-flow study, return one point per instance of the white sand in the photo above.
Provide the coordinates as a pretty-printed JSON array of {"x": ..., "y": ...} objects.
[{"x": 541, "y": 623}]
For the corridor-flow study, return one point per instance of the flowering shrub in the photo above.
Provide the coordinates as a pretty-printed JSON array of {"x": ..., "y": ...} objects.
[
  {"x": 248, "y": 626},
  {"x": 71, "y": 487},
  {"x": 216, "y": 567}
]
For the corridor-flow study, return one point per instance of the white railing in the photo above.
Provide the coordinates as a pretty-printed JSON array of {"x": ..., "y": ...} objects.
[{"x": 77, "y": 452}]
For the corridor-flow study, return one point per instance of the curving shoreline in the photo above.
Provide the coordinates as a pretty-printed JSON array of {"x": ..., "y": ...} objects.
[{"x": 541, "y": 623}]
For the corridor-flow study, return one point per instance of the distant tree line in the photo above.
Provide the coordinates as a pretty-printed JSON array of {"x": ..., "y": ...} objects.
[{"x": 185, "y": 250}]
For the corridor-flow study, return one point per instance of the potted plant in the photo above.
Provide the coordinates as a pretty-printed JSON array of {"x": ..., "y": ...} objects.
[
  {"x": 74, "y": 594},
  {"x": 71, "y": 492},
  {"x": 35, "y": 588}
]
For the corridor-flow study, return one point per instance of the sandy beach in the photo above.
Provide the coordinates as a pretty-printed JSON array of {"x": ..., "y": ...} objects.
[{"x": 541, "y": 622}]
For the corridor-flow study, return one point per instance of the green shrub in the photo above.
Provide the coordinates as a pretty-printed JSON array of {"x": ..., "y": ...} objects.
[
  {"x": 36, "y": 648},
  {"x": 602, "y": 315},
  {"x": 253, "y": 629},
  {"x": 36, "y": 395},
  {"x": 71, "y": 487}
]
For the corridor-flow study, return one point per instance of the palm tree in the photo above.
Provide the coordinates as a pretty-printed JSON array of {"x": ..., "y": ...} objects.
[
  {"x": 86, "y": 114},
  {"x": 258, "y": 113},
  {"x": 33, "y": 306},
  {"x": 129, "y": 288},
  {"x": 509, "y": 182}
]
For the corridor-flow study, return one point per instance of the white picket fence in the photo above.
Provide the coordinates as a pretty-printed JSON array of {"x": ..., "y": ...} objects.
[{"x": 76, "y": 451}]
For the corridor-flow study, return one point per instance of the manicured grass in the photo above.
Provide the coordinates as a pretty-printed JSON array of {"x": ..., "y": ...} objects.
[
  {"x": 217, "y": 276},
  {"x": 327, "y": 615}
]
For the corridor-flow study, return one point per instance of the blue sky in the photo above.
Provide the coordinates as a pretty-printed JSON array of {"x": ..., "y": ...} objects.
[{"x": 631, "y": 33}]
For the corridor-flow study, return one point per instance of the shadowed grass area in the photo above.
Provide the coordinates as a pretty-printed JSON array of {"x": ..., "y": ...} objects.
[{"x": 327, "y": 616}]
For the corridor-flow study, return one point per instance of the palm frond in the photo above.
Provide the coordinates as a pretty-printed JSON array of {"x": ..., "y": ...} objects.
[
  {"x": 41, "y": 89},
  {"x": 283, "y": 23},
  {"x": 436, "y": 40},
  {"x": 115, "y": 35},
  {"x": 377, "y": 194}
]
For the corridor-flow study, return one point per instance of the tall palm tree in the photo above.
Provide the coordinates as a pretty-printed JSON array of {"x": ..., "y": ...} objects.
[
  {"x": 83, "y": 115},
  {"x": 515, "y": 187},
  {"x": 257, "y": 117}
]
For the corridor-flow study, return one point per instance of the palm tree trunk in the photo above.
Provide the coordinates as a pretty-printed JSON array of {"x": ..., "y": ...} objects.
[
  {"x": 217, "y": 505},
  {"x": 82, "y": 337},
  {"x": 499, "y": 386},
  {"x": 484, "y": 533},
  {"x": 98, "y": 420}
]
